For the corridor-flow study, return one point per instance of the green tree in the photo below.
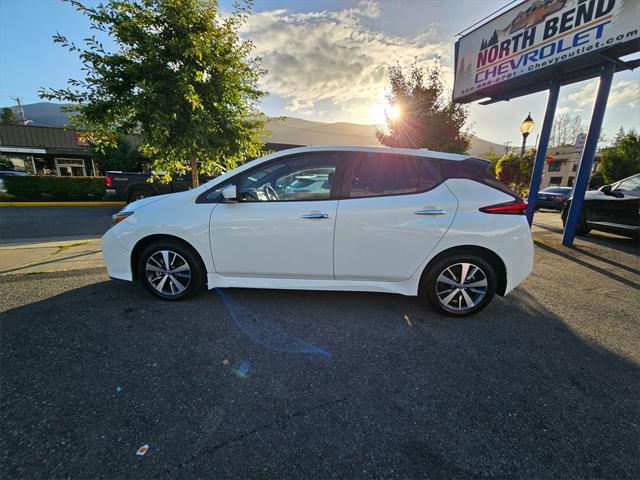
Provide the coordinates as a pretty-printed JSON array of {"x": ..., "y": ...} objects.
[
  {"x": 8, "y": 117},
  {"x": 515, "y": 171},
  {"x": 622, "y": 159},
  {"x": 121, "y": 157},
  {"x": 494, "y": 158},
  {"x": 181, "y": 77},
  {"x": 427, "y": 117}
]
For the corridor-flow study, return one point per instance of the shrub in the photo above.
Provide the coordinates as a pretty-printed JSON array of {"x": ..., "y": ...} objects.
[{"x": 36, "y": 187}]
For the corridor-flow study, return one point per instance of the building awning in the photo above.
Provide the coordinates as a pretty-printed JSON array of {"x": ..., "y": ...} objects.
[{"x": 38, "y": 151}]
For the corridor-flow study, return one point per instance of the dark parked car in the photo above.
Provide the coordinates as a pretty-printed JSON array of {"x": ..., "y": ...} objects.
[
  {"x": 553, "y": 197},
  {"x": 613, "y": 208},
  {"x": 130, "y": 186}
]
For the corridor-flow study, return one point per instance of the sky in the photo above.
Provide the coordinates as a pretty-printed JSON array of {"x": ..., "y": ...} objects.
[{"x": 327, "y": 60}]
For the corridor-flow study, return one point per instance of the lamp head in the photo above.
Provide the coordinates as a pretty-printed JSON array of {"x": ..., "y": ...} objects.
[{"x": 526, "y": 127}]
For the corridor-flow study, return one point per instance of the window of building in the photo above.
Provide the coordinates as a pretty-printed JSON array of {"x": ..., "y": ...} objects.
[
  {"x": 574, "y": 167},
  {"x": 555, "y": 181},
  {"x": 554, "y": 166},
  {"x": 570, "y": 181},
  {"x": 70, "y": 167}
]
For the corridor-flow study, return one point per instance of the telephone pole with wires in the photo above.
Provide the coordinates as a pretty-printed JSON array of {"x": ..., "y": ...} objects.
[{"x": 22, "y": 116}]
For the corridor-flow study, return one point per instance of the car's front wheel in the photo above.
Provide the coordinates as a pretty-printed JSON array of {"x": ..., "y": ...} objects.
[
  {"x": 171, "y": 270},
  {"x": 582, "y": 228},
  {"x": 460, "y": 284}
]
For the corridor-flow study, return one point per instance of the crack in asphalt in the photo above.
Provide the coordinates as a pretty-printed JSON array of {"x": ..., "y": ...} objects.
[{"x": 219, "y": 446}]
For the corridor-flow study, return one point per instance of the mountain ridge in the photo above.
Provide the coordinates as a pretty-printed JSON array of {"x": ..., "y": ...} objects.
[{"x": 283, "y": 129}]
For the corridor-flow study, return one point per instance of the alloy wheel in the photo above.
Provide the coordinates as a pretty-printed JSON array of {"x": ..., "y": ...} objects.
[
  {"x": 168, "y": 272},
  {"x": 461, "y": 286}
]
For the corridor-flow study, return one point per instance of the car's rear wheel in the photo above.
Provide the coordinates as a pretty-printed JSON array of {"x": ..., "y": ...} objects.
[
  {"x": 460, "y": 284},
  {"x": 139, "y": 194},
  {"x": 171, "y": 270}
]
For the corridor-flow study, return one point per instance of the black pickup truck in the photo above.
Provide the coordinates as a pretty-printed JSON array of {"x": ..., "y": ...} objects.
[{"x": 131, "y": 186}]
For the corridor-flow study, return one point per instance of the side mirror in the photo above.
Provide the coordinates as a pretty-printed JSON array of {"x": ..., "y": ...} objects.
[
  {"x": 606, "y": 189},
  {"x": 230, "y": 193}
]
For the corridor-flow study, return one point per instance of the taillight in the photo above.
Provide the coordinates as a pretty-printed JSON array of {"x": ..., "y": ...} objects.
[
  {"x": 517, "y": 207},
  {"x": 109, "y": 181}
]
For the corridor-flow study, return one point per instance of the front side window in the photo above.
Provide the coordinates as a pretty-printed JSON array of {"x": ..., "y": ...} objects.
[
  {"x": 630, "y": 185},
  {"x": 304, "y": 177},
  {"x": 376, "y": 174}
]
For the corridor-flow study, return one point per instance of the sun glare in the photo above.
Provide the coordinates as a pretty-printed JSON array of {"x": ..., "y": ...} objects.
[{"x": 395, "y": 112}]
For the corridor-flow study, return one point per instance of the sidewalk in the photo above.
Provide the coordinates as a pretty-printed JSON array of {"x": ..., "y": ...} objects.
[{"x": 43, "y": 255}]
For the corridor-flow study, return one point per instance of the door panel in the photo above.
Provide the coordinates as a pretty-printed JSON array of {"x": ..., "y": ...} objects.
[
  {"x": 272, "y": 239},
  {"x": 283, "y": 225},
  {"x": 622, "y": 211},
  {"x": 383, "y": 238}
]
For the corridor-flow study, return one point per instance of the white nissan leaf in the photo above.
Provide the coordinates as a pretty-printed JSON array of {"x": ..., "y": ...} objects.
[{"x": 412, "y": 222}]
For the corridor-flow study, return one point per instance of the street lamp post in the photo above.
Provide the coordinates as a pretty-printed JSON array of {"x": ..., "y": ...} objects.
[{"x": 526, "y": 127}]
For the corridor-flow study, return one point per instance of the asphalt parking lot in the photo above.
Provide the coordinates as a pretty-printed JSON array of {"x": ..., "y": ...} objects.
[
  {"x": 287, "y": 384},
  {"x": 59, "y": 222}
]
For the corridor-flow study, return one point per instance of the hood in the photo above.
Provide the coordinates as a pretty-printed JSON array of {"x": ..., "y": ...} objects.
[
  {"x": 594, "y": 194},
  {"x": 133, "y": 206}
]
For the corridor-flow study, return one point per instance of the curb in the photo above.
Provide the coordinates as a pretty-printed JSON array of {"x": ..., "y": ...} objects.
[{"x": 62, "y": 204}]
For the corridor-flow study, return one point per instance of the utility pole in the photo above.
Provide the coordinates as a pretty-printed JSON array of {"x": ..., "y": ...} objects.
[
  {"x": 507, "y": 145},
  {"x": 24, "y": 119}
]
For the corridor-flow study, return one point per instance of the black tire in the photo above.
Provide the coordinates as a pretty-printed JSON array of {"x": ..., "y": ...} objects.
[
  {"x": 139, "y": 194},
  {"x": 583, "y": 228},
  {"x": 453, "y": 263},
  {"x": 178, "y": 254}
]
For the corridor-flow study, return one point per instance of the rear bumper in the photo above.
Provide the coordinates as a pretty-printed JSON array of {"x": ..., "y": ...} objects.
[
  {"x": 116, "y": 258},
  {"x": 111, "y": 194},
  {"x": 554, "y": 205},
  {"x": 517, "y": 255}
]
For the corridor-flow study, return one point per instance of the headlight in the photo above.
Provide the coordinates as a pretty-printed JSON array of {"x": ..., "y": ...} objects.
[{"x": 118, "y": 217}]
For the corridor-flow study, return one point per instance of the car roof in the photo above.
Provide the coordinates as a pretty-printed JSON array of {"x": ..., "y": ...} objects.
[{"x": 421, "y": 152}]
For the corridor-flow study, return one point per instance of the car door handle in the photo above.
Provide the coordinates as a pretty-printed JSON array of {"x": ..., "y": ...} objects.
[
  {"x": 430, "y": 212},
  {"x": 315, "y": 215}
]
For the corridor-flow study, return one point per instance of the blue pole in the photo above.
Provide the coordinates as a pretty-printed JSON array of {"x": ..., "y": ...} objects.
[
  {"x": 541, "y": 155},
  {"x": 584, "y": 171}
]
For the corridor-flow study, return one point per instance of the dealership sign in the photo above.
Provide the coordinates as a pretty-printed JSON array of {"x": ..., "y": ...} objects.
[{"x": 537, "y": 39}]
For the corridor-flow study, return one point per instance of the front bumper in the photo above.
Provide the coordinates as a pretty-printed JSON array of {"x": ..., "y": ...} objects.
[{"x": 116, "y": 258}]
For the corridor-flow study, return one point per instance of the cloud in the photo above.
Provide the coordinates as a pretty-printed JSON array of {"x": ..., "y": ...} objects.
[
  {"x": 623, "y": 92},
  {"x": 332, "y": 57},
  {"x": 369, "y": 8}
]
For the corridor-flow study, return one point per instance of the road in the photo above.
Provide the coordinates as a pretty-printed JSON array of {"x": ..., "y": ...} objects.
[
  {"x": 279, "y": 384},
  {"x": 60, "y": 222}
]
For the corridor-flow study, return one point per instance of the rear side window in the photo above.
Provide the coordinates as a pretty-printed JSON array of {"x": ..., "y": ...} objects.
[
  {"x": 473, "y": 169},
  {"x": 376, "y": 174}
]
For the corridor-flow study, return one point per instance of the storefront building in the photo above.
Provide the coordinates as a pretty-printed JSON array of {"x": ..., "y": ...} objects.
[
  {"x": 61, "y": 152},
  {"x": 45, "y": 151}
]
